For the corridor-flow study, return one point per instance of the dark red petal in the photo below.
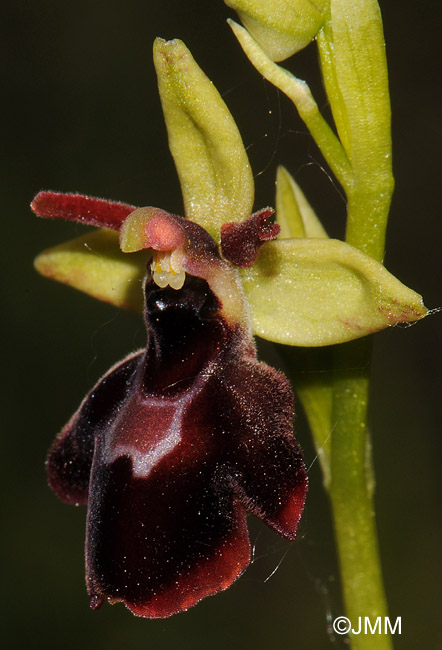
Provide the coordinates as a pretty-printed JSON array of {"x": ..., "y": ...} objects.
[
  {"x": 265, "y": 462},
  {"x": 83, "y": 209},
  {"x": 70, "y": 458},
  {"x": 240, "y": 242}
]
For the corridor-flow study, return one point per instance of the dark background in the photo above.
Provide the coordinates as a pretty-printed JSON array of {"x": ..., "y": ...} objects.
[{"x": 81, "y": 113}]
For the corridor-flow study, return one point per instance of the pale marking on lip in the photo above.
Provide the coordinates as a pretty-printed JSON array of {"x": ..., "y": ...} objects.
[{"x": 144, "y": 461}]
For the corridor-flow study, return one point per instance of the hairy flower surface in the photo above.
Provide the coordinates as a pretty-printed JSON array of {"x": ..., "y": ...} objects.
[{"x": 178, "y": 441}]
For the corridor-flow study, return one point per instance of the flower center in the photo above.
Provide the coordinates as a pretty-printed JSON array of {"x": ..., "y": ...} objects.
[{"x": 167, "y": 268}]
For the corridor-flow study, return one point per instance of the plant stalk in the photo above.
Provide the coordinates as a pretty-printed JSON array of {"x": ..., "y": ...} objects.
[{"x": 351, "y": 495}]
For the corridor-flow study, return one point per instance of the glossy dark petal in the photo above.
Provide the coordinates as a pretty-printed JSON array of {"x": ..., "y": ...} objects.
[
  {"x": 240, "y": 242},
  {"x": 84, "y": 209}
]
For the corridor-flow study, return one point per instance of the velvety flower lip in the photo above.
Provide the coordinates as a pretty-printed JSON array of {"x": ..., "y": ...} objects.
[{"x": 178, "y": 441}]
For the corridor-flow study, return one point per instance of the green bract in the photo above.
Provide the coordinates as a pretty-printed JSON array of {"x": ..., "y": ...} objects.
[
  {"x": 354, "y": 69},
  {"x": 281, "y": 27}
]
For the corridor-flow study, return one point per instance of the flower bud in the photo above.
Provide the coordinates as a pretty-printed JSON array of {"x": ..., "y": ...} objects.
[{"x": 281, "y": 27}]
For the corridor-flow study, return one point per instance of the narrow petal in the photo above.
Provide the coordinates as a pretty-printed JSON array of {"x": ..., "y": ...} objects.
[
  {"x": 240, "y": 242},
  {"x": 215, "y": 174},
  {"x": 69, "y": 460},
  {"x": 83, "y": 209},
  {"x": 314, "y": 292}
]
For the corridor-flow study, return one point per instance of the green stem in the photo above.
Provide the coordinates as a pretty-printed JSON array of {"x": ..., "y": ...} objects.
[
  {"x": 353, "y": 64},
  {"x": 354, "y": 68},
  {"x": 350, "y": 493},
  {"x": 351, "y": 468},
  {"x": 367, "y": 214}
]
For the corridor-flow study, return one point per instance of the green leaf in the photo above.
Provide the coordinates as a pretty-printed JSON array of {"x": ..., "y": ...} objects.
[
  {"x": 214, "y": 171},
  {"x": 293, "y": 212},
  {"x": 315, "y": 292},
  {"x": 94, "y": 264},
  {"x": 281, "y": 27}
]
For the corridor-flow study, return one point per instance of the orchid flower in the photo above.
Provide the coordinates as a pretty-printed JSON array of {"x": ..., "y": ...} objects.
[{"x": 178, "y": 441}]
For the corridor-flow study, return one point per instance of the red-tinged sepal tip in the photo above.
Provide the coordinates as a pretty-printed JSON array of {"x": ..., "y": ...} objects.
[
  {"x": 240, "y": 242},
  {"x": 82, "y": 209}
]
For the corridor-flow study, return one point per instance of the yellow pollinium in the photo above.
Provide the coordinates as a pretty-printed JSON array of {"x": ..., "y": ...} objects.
[{"x": 167, "y": 269}]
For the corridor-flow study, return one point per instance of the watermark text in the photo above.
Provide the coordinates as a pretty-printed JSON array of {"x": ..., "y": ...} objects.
[{"x": 367, "y": 625}]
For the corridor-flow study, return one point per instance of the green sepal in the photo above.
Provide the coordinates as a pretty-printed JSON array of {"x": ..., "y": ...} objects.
[
  {"x": 315, "y": 292},
  {"x": 214, "y": 171},
  {"x": 308, "y": 368},
  {"x": 94, "y": 264}
]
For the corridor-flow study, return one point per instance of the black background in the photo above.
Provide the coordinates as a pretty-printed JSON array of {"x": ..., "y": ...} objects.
[{"x": 81, "y": 113}]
